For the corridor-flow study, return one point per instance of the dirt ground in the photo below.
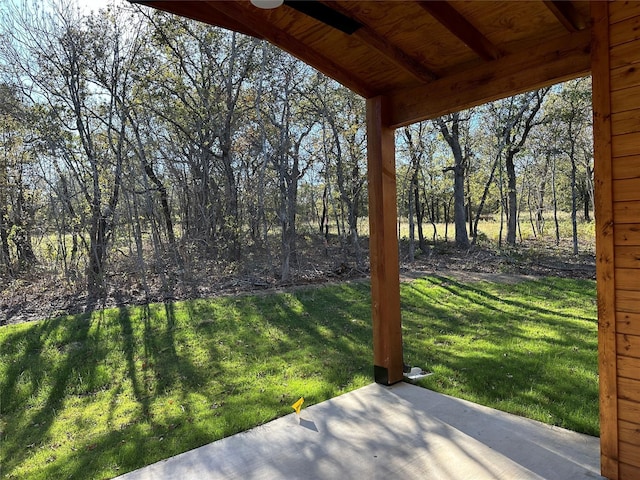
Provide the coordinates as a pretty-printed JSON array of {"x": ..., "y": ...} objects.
[{"x": 44, "y": 293}]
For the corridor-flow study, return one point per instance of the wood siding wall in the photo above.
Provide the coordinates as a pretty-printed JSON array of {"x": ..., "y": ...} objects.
[{"x": 616, "y": 76}]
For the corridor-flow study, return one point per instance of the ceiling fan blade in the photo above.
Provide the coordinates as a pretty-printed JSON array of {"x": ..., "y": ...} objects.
[{"x": 324, "y": 14}]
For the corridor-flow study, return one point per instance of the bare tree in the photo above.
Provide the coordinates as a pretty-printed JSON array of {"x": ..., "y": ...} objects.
[
  {"x": 289, "y": 160},
  {"x": 343, "y": 112},
  {"x": 205, "y": 107},
  {"x": 17, "y": 205},
  {"x": 572, "y": 113},
  {"x": 515, "y": 117},
  {"x": 419, "y": 145},
  {"x": 454, "y": 129}
]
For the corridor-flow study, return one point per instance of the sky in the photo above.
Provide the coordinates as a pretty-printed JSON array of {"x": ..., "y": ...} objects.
[
  {"x": 90, "y": 5},
  {"x": 86, "y": 5}
]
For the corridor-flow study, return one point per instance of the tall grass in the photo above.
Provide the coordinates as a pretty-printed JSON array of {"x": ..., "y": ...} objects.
[{"x": 490, "y": 230}]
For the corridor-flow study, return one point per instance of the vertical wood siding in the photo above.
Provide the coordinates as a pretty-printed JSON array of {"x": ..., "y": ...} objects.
[{"x": 624, "y": 45}]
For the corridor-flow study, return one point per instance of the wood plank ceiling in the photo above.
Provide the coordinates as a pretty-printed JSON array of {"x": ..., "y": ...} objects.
[{"x": 428, "y": 57}]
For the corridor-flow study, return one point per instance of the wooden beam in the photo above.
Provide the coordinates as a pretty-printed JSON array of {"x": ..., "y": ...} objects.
[
  {"x": 396, "y": 55},
  {"x": 548, "y": 63},
  {"x": 567, "y": 15},
  {"x": 255, "y": 20},
  {"x": 605, "y": 249},
  {"x": 383, "y": 245},
  {"x": 453, "y": 21}
]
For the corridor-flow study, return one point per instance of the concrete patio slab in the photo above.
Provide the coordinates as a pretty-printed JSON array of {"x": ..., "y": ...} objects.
[{"x": 378, "y": 432}]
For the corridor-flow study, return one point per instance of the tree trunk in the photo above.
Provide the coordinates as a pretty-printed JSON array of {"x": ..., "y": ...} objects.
[
  {"x": 459, "y": 169},
  {"x": 555, "y": 200},
  {"x": 512, "y": 206},
  {"x": 162, "y": 190},
  {"x": 412, "y": 226},
  {"x": 574, "y": 202},
  {"x": 422, "y": 244},
  {"x": 288, "y": 216},
  {"x": 97, "y": 252},
  {"x": 519, "y": 122},
  {"x": 5, "y": 224},
  {"x": 541, "y": 197},
  {"x": 459, "y": 215},
  {"x": 585, "y": 199},
  {"x": 5, "y": 255},
  {"x": 231, "y": 221},
  {"x": 502, "y": 206},
  {"x": 588, "y": 193},
  {"x": 261, "y": 219},
  {"x": 323, "y": 225},
  {"x": 483, "y": 199}
]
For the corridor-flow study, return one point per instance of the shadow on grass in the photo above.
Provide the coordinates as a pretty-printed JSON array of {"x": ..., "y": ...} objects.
[
  {"x": 50, "y": 361},
  {"x": 507, "y": 351},
  {"x": 162, "y": 379},
  {"x": 316, "y": 333},
  {"x": 178, "y": 376}
]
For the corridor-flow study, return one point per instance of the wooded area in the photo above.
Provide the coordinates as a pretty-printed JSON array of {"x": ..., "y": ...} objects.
[{"x": 129, "y": 133}]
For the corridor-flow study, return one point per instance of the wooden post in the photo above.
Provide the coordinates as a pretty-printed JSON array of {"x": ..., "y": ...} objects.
[
  {"x": 383, "y": 245},
  {"x": 605, "y": 270}
]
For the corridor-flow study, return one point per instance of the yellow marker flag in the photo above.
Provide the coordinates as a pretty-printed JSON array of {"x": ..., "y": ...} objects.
[{"x": 298, "y": 405}]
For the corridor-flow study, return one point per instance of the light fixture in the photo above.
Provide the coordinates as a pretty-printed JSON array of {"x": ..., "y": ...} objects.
[{"x": 267, "y": 4}]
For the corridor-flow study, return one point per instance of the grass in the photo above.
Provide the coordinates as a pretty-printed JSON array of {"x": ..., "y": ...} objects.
[
  {"x": 491, "y": 231},
  {"x": 529, "y": 348},
  {"x": 95, "y": 396}
]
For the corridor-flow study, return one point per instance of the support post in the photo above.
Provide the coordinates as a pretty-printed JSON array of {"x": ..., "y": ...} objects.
[
  {"x": 383, "y": 245},
  {"x": 605, "y": 244}
]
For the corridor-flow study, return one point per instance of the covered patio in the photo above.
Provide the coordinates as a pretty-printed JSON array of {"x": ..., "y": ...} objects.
[
  {"x": 416, "y": 60},
  {"x": 383, "y": 432}
]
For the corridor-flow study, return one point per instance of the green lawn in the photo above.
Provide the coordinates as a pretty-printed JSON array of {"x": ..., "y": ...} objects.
[
  {"x": 95, "y": 396},
  {"x": 528, "y": 348}
]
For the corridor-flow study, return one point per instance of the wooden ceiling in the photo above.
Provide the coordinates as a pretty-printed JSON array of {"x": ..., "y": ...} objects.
[{"x": 428, "y": 57}]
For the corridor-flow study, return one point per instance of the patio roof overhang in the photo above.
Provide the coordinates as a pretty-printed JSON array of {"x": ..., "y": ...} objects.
[{"x": 428, "y": 58}]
